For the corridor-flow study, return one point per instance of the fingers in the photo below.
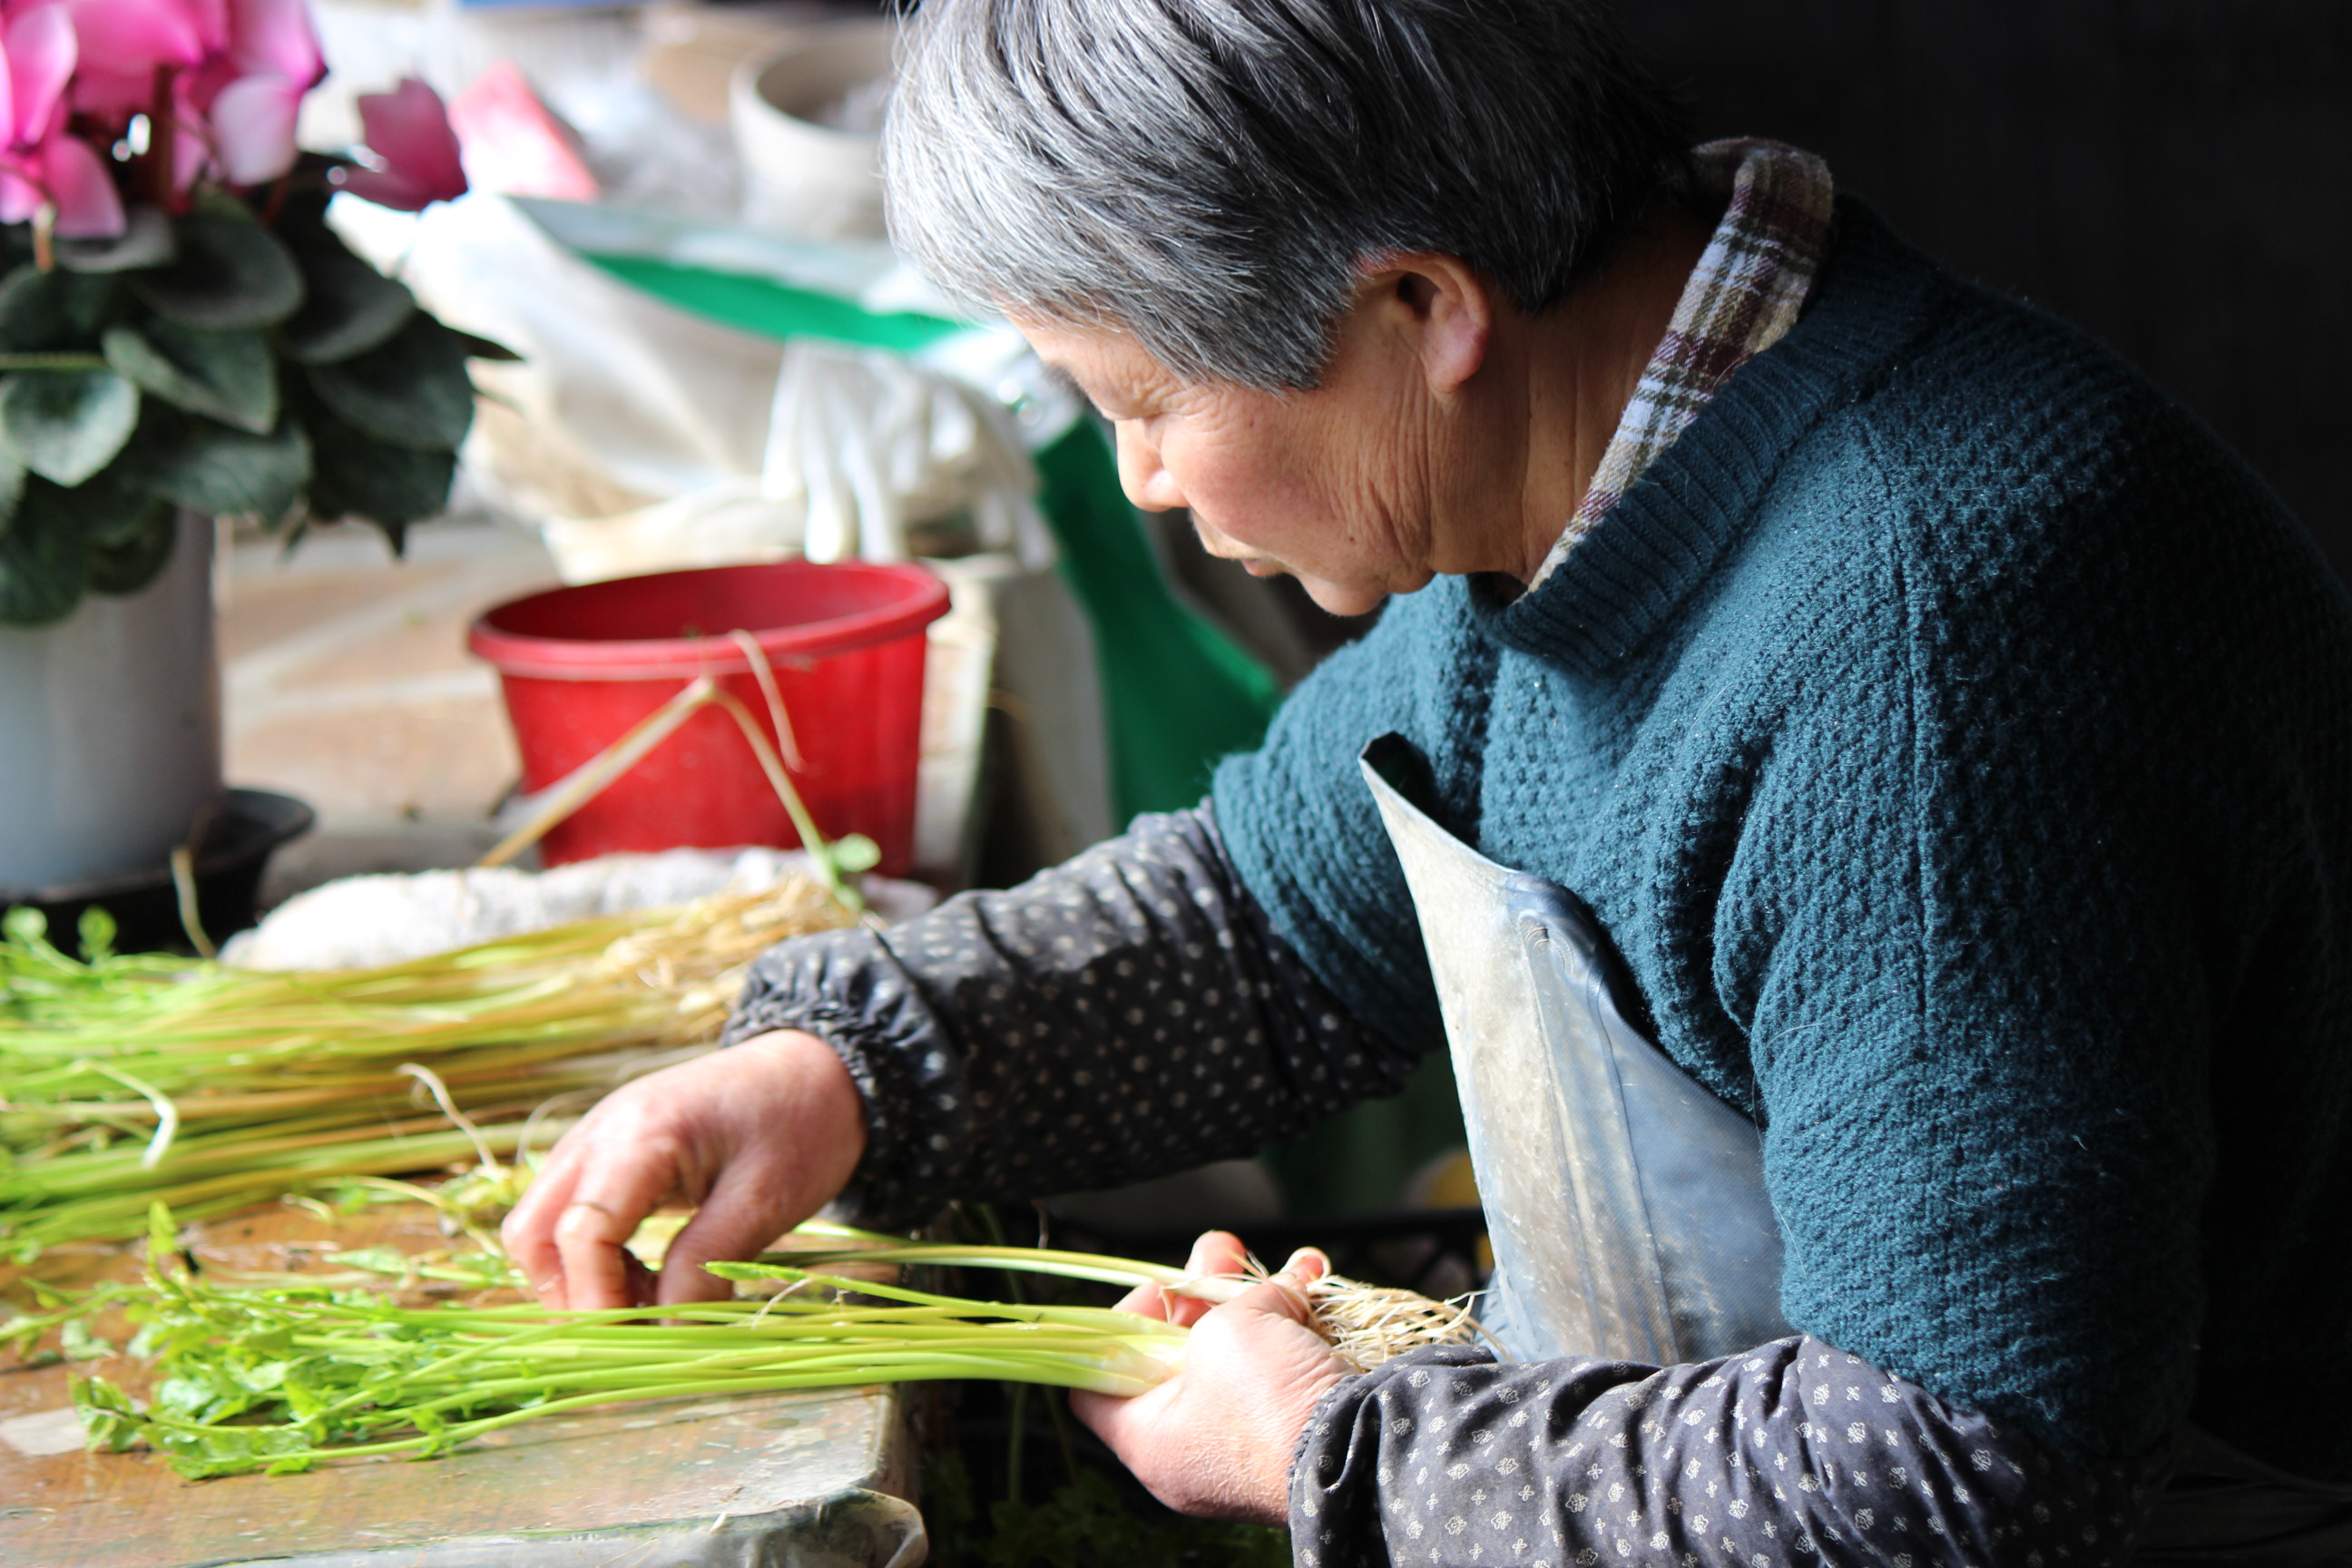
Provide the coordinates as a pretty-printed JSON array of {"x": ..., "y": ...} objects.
[
  {"x": 1148, "y": 1301},
  {"x": 1218, "y": 1253},
  {"x": 1283, "y": 1294},
  {"x": 604, "y": 1209},
  {"x": 736, "y": 1221},
  {"x": 777, "y": 1122},
  {"x": 1122, "y": 1421},
  {"x": 566, "y": 1234},
  {"x": 1216, "y": 1438},
  {"x": 1101, "y": 1413},
  {"x": 1290, "y": 1282},
  {"x": 529, "y": 1232}
]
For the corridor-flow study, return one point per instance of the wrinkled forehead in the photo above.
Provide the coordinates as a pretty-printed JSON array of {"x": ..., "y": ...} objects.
[{"x": 1104, "y": 363}]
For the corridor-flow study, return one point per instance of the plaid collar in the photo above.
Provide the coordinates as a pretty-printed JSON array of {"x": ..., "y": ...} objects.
[{"x": 1747, "y": 291}]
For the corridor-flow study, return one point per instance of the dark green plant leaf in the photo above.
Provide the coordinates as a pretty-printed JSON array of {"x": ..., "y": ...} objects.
[
  {"x": 112, "y": 507},
  {"x": 231, "y": 273},
  {"x": 66, "y": 425},
  {"x": 484, "y": 348},
  {"x": 44, "y": 562},
  {"x": 28, "y": 320},
  {"x": 348, "y": 306},
  {"x": 12, "y": 485},
  {"x": 127, "y": 567},
  {"x": 41, "y": 311},
  {"x": 228, "y": 376},
  {"x": 146, "y": 240},
  {"x": 210, "y": 469},
  {"x": 412, "y": 392},
  {"x": 355, "y": 476},
  {"x": 302, "y": 212}
]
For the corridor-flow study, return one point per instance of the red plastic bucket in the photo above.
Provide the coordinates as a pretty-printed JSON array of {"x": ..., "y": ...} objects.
[{"x": 581, "y": 666}]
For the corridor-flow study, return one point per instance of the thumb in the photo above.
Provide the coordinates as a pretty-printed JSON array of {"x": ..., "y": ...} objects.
[{"x": 735, "y": 1221}]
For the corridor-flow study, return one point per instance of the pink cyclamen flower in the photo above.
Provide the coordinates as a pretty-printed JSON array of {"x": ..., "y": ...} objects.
[
  {"x": 40, "y": 164},
  {"x": 125, "y": 42},
  {"x": 408, "y": 130},
  {"x": 40, "y": 49},
  {"x": 273, "y": 54},
  {"x": 82, "y": 185}
]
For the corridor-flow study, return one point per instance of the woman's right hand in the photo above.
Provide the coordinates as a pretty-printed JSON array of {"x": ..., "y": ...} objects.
[{"x": 757, "y": 1138}]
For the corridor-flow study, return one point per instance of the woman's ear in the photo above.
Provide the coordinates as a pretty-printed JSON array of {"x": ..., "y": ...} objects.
[{"x": 1448, "y": 310}]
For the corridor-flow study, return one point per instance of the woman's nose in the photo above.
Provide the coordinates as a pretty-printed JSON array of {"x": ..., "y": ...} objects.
[{"x": 1141, "y": 475}]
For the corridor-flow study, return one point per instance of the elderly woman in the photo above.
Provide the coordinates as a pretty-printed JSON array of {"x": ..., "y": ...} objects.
[{"x": 1874, "y": 776}]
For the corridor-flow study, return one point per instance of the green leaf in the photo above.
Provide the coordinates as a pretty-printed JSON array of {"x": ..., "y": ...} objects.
[
  {"x": 66, "y": 425},
  {"x": 27, "y": 310},
  {"x": 126, "y": 568},
  {"x": 111, "y": 508},
  {"x": 230, "y": 273},
  {"x": 854, "y": 853},
  {"x": 80, "y": 1344},
  {"x": 108, "y": 1415},
  {"x": 97, "y": 930},
  {"x": 412, "y": 392},
  {"x": 43, "y": 560},
  {"x": 44, "y": 310},
  {"x": 348, "y": 309},
  {"x": 146, "y": 240},
  {"x": 228, "y": 376},
  {"x": 354, "y": 475},
  {"x": 12, "y": 485},
  {"x": 210, "y": 469}
]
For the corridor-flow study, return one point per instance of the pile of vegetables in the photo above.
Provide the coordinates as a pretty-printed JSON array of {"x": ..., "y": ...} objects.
[
  {"x": 130, "y": 1079},
  {"x": 279, "y": 1376}
]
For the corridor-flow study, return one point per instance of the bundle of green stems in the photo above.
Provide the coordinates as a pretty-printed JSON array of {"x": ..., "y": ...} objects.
[
  {"x": 125, "y": 1079},
  {"x": 280, "y": 1373},
  {"x": 279, "y": 1376}
]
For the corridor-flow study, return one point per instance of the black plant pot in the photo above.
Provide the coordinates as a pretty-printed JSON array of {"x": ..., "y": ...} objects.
[{"x": 145, "y": 905}]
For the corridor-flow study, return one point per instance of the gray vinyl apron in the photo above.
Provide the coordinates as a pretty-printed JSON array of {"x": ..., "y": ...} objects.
[{"x": 1625, "y": 1203}]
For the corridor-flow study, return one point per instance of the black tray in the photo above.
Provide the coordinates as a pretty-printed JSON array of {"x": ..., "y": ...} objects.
[{"x": 250, "y": 826}]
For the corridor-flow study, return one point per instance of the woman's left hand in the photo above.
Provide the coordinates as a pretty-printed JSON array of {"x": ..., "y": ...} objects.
[{"x": 1216, "y": 1440}]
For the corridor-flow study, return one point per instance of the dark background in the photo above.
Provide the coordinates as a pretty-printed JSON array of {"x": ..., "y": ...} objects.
[{"x": 2171, "y": 174}]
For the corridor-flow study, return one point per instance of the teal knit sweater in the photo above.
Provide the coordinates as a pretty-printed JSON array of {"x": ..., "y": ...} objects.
[{"x": 1956, "y": 739}]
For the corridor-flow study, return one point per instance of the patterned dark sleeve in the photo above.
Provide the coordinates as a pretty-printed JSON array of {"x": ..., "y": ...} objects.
[
  {"x": 1125, "y": 1014},
  {"x": 1791, "y": 1453}
]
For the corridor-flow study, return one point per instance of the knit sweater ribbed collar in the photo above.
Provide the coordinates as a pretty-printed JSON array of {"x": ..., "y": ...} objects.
[
  {"x": 1747, "y": 289},
  {"x": 1638, "y": 564}
]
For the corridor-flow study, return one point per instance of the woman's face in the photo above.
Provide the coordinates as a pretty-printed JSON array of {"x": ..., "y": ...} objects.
[{"x": 1326, "y": 485}]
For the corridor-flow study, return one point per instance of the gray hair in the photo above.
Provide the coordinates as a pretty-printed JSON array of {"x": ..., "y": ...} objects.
[{"x": 1213, "y": 176}]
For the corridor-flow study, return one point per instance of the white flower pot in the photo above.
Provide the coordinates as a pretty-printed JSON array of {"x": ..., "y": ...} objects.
[{"x": 111, "y": 728}]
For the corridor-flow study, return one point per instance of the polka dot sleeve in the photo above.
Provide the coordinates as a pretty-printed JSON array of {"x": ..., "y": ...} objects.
[
  {"x": 1791, "y": 1453},
  {"x": 1125, "y": 1014}
]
